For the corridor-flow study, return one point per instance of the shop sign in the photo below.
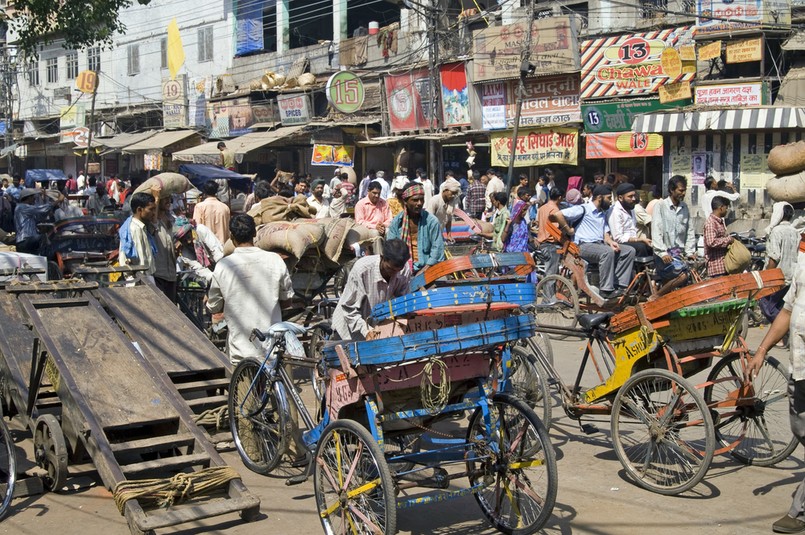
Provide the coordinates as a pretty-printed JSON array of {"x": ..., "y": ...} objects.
[
  {"x": 724, "y": 16},
  {"x": 87, "y": 82},
  {"x": 294, "y": 109},
  {"x": 630, "y": 64},
  {"x": 266, "y": 113},
  {"x": 345, "y": 92},
  {"x": 455, "y": 95},
  {"x": 542, "y": 146},
  {"x": 340, "y": 155},
  {"x": 198, "y": 95},
  {"x": 675, "y": 92},
  {"x": 70, "y": 118},
  {"x": 497, "y": 49},
  {"x": 547, "y": 101},
  {"x": 618, "y": 116},
  {"x": 493, "y": 106},
  {"x": 230, "y": 118},
  {"x": 409, "y": 100},
  {"x": 174, "y": 102},
  {"x": 745, "y": 51},
  {"x": 744, "y": 95},
  {"x": 623, "y": 145},
  {"x": 710, "y": 51}
]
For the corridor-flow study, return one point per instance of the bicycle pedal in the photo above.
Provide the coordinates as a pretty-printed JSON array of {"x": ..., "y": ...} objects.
[
  {"x": 296, "y": 480},
  {"x": 589, "y": 429}
]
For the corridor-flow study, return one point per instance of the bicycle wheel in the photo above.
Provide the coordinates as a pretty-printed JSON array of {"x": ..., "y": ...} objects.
[
  {"x": 512, "y": 462},
  {"x": 258, "y": 417},
  {"x": 352, "y": 482},
  {"x": 557, "y": 303},
  {"x": 8, "y": 469},
  {"x": 543, "y": 342},
  {"x": 529, "y": 383},
  {"x": 318, "y": 373},
  {"x": 662, "y": 432},
  {"x": 755, "y": 422}
]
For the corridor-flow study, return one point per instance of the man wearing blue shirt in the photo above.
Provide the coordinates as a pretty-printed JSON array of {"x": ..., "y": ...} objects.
[{"x": 587, "y": 225}]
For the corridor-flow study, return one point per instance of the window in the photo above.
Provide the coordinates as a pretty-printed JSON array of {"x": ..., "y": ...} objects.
[
  {"x": 94, "y": 59},
  {"x": 205, "y": 43},
  {"x": 163, "y": 53},
  {"x": 52, "y": 69},
  {"x": 134, "y": 59},
  {"x": 72, "y": 65},
  {"x": 33, "y": 73},
  {"x": 650, "y": 9}
]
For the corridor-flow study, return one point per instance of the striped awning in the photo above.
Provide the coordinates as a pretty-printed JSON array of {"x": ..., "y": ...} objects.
[{"x": 768, "y": 118}]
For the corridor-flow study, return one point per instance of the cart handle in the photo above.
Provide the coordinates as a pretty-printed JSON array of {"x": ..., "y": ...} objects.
[{"x": 256, "y": 333}]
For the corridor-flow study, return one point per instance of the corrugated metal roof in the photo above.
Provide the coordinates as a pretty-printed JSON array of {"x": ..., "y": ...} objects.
[{"x": 239, "y": 145}]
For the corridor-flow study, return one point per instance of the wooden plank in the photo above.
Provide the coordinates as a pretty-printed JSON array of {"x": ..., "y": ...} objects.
[
  {"x": 167, "y": 464},
  {"x": 145, "y": 445},
  {"x": 110, "y": 380},
  {"x": 206, "y": 384},
  {"x": 210, "y": 402},
  {"x": 179, "y": 514},
  {"x": 161, "y": 330}
]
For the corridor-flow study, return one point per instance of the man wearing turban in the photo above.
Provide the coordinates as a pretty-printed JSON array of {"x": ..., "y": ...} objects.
[{"x": 418, "y": 229}]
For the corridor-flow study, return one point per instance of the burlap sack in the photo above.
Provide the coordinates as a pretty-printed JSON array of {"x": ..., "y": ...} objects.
[
  {"x": 789, "y": 188},
  {"x": 360, "y": 234},
  {"x": 336, "y": 233},
  {"x": 787, "y": 159},
  {"x": 169, "y": 184},
  {"x": 292, "y": 238}
]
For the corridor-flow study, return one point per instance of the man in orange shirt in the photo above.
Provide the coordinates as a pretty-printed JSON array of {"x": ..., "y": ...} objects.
[
  {"x": 548, "y": 245},
  {"x": 212, "y": 213}
]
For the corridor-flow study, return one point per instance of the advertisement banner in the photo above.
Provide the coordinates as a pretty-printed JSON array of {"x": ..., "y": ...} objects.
[
  {"x": 745, "y": 51},
  {"x": 174, "y": 102},
  {"x": 623, "y": 145},
  {"x": 618, "y": 116},
  {"x": 294, "y": 109},
  {"x": 727, "y": 15},
  {"x": 266, "y": 113},
  {"x": 710, "y": 51},
  {"x": 541, "y": 146},
  {"x": 744, "y": 95},
  {"x": 340, "y": 155},
  {"x": 493, "y": 106},
  {"x": 675, "y": 92},
  {"x": 497, "y": 49},
  {"x": 409, "y": 100},
  {"x": 230, "y": 118},
  {"x": 630, "y": 64},
  {"x": 455, "y": 95},
  {"x": 199, "y": 93},
  {"x": 547, "y": 101}
]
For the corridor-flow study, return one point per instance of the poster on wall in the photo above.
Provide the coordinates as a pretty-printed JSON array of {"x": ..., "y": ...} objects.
[
  {"x": 174, "y": 102},
  {"x": 754, "y": 170},
  {"x": 622, "y": 145},
  {"x": 547, "y": 101},
  {"x": 699, "y": 168},
  {"x": 745, "y": 95},
  {"x": 455, "y": 95},
  {"x": 630, "y": 64},
  {"x": 294, "y": 109},
  {"x": 493, "y": 106},
  {"x": 680, "y": 162},
  {"x": 409, "y": 100},
  {"x": 541, "y": 146},
  {"x": 152, "y": 161},
  {"x": 727, "y": 15}
]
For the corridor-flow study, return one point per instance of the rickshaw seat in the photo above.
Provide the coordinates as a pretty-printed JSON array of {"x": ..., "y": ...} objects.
[{"x": 588, "y": 322}]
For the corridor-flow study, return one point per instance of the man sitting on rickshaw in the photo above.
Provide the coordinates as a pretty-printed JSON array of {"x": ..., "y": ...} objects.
[{"x": 418, "y": 229}]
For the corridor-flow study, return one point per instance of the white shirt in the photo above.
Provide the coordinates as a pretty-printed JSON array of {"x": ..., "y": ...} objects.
[
  {"x": 427, "y": 185},
  {"x": 248, "y": 286},
  {"x": 384, "y": 188},
  {"x": 81, "y": 182},
  {"x": 795, "y": 303},
  {"x": 494, "y": 185},
  {"x": 145, "y": 255},
  {"x": 442, "y": 210},
  {"x": 622, "y": 224},
  {"x": 322, "y": 208},
  {"x": 709, "y": 195}
]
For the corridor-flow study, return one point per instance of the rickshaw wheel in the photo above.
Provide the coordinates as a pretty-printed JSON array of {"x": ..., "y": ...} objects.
[
  {"x": 318, "y": 373},
  {"x": 352, "y": 482},
  {"x": 529, "y": 383},
  {"x": 662, "y": 431},
  {"x": 557, "y": 304},
  {"x": 258, "y": 415},
  {"x": 8, "y": 469},
  {"x": 50, "y": 451},
  {"x": 756, "y": 426},
  {"x": 512, "y": 462}
]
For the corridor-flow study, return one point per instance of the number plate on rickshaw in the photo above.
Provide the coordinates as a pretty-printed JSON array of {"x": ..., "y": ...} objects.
[{"x": 700, "y": 326}]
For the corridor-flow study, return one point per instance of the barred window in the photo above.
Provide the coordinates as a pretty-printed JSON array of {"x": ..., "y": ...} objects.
[
  {"x": 94, "y": 59},
  {"x": 52, "y": 69},
  {"x": 134, "y": 59},
  {"x": 205, "y": 43},
  {"x": 72, "y": 65}
]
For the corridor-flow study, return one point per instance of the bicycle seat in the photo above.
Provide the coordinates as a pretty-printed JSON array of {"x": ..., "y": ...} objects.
[
  {"x": 589, "y": 322},
  {"x": 279, "y": 329},
  {"x": 644, "y": 260}
]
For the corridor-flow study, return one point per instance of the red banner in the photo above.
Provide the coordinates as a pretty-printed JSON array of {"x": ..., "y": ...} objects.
[
  {"x": 409, "y": 100},
  {"x": 623, "y": 145}
]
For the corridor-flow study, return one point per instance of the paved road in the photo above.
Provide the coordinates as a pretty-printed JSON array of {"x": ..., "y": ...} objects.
[{"x": 594, "y": 496}]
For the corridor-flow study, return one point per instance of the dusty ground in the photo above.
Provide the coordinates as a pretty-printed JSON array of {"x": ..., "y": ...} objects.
[{"x": 594, "y": 496}]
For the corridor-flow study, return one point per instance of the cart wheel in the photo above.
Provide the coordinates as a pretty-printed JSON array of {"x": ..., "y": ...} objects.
[
  {"x": 318, "y": 373},
  {"x": 529, "y": 383},
  {"x": 662, "y": 431},
  {"x": 543, "y": 342},
  {"x": 512, "y": 461},
  {"x": 258, "y": 417},
  {"x": 8, "y": 468},
  {"x": 353, "y": 484},
  {"x": 756, "y": 425},
  {"x": 341, "y": 276},
  {"x": 50, "y": 451},
  {"x": 557, "y": 304}
]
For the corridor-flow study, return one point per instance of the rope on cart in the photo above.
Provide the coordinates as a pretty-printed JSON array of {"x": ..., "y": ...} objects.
[
  {"x": 175, "y": 490},
  {"x": 435, "y": 396},
  {"x": 219, "y": 417}
]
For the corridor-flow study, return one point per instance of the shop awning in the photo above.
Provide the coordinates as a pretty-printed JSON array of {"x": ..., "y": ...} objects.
[
  {"x": 160, "y": 141},
  {"x": 769, "y": 118},
  {"x": 380, "y": 141},
  {"x": 118, "y": 142},
  {"x": 208, "y": 152}
]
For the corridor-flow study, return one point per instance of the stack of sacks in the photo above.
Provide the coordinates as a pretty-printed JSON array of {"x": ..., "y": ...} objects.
[
  {"x": 788, "y": 163},
  {"x": 279, "y": 208},
  {"x": 359, "y": 235}
]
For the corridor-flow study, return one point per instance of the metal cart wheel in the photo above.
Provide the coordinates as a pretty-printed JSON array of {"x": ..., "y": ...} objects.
[
  {"x": 258, "y": 417},
  {"x": 50, "y": 451},
  {"x": 512, "y": 460},
  {"x": 529, "y": 383},
  {"x": 352, "y": 482},
  {"x": 557, "y": 303},
  {"x": 8, "y": 469},
  {"x": 755, "y": 423},
  {"x": 662, "y": 431}
]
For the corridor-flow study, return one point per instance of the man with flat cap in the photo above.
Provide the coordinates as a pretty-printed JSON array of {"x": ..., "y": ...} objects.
[
  {"x": 623, "y": 222},
  {"x": 592, "y": 235}
]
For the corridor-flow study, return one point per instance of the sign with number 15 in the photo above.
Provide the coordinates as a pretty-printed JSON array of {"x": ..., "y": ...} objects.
[{"x": 345, "y": 92}]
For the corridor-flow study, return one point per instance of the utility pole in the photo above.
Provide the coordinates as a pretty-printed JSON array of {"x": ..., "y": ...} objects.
[
  {"x": 434, "y": 120},
  {"x": 8, "y": 73},
  {"x": 525, "y": 56},
  {"x": 91, "y": 124}
]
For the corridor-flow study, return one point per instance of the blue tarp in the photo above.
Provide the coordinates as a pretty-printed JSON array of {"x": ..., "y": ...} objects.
[
  {"x": 199, "y": 174},
  {"x": 249, "y": 21},
  {"x": 42, "y": 175}
]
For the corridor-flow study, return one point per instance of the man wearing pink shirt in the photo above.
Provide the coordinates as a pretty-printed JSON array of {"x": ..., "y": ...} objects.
[{"x": 372, "y": 211}]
